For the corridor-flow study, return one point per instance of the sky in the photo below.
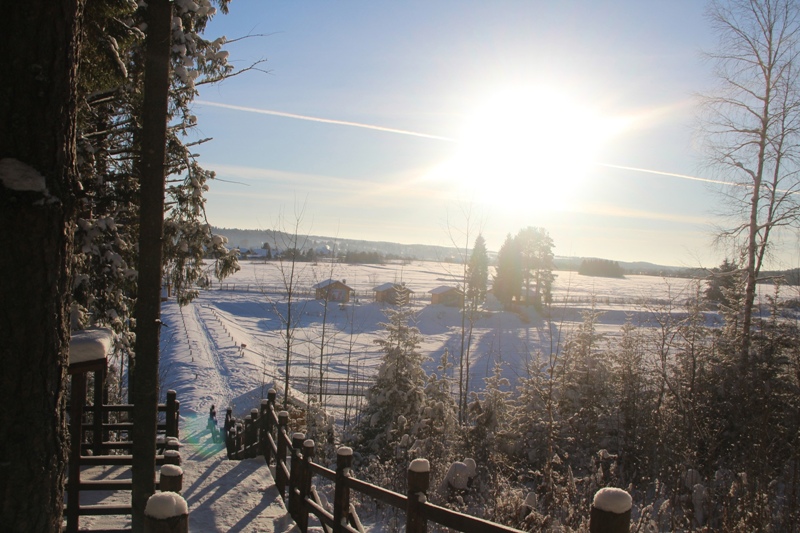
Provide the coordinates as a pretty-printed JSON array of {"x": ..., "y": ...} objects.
[{"x": 429, "y": 121}]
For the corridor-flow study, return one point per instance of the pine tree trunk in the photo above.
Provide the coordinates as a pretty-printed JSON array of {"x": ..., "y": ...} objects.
[
  {"x": 148, "y": 302},
  {"x": 39, "y": 39}
]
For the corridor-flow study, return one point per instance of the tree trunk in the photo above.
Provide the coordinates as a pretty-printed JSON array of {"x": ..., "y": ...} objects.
[
  {"x": 40, "y": 43},
  {"x": 148, "y": 302}
]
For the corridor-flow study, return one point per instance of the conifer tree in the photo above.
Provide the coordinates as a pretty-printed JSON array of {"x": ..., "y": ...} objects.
[
  {"x": 508, "y": 278},
  {"x": 397, "y": 399}
]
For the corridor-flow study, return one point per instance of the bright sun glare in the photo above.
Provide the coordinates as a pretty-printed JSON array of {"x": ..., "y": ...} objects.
[{"x": 527, "y": 149}]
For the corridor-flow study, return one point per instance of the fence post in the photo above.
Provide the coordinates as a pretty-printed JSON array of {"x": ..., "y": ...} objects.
[
  {"x": 294, "y": 474},
  {"x": 97, "y": 417},
  {"x": 177, "y": 419},
  {"x": 280, "y": 460},
  {"x": 170, "y": 479},
  {"x": 341, "y": 496},
  {"x": 166, "y": 512},
  {"x": 419, "y": 477},
  {"x": 172, "y": 417},
  {"x": 611, "y": 511},
  {"x": 253, "y": 451},
  {"x": 248, "y": 437},
  {"x": 172, "y": 457},
  {"x": 305, "y": 484},
  {"x": 262, "y": 430},
  {"x": 230, "y": 441}
]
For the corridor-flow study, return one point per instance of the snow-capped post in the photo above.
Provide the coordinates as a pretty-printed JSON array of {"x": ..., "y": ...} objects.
[
  {"x": 172, "y": 457},
  {"x": 280, "y": 460},
  {"x": 305, "y": 484},
  {"x": 419, "y": 478},
  {"x": 263, "y": 424},
  {"x": 294, "y": 474},
  {"x": 341, "y": 497},
  {"x": 171, "y": 479},
  {"x": 611, "y": 511},
  {"x": 166, "y": 512},
  {"x": 172, "y": 414},
  {"x": 172, "y": 443}
]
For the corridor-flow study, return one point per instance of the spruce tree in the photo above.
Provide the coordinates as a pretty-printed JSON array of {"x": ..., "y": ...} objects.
[{"x": 397, "y": 399}]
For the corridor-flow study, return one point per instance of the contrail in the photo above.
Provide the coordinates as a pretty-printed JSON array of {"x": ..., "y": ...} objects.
[
  {"x": 660, "y": 173},
  {"x": 324, "y": 120},
  {"x": 428, "y": 136}
]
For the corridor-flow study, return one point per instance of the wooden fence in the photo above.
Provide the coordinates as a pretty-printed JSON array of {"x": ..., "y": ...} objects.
[
  {"x": 265, "y": 432},
  {"x": 110, "y": 445}
]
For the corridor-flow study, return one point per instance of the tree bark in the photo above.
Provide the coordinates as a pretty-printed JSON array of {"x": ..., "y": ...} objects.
[
  {"x": 148, "y": 303},
  {"x": 40, "y": 44}
]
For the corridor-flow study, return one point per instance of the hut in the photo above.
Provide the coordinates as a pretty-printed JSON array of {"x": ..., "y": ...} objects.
[
  {"x": 392, "y": 293},
  {"x": 445, "y": 295},
  {"x": 332, "y": 290}
]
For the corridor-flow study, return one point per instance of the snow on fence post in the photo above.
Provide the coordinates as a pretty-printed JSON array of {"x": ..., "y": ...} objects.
[
  {"x": 172, "y": 418},
  {"x": 305, "y": 484},
  {"x": 166, "y": 512},
  {"x": 611, "y": 511},
  {"x": 170, "y": 479},
  {"x": 280, "y": 460},
  {"x": 263, "y": 448},
  {"x": 419, "y": 477},
  {"x": 172, "y": 457},
  {"x": 294, "y": 474},
  {"x": 341, "y": 496}
]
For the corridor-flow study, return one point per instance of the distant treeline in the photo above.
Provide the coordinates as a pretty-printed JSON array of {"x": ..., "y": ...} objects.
[{"x": 605, "y": 268}]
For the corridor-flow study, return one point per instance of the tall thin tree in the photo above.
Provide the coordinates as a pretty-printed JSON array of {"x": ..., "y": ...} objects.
[{"x": 752, "y": 128}]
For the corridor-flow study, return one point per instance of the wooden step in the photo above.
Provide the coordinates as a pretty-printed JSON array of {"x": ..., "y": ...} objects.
[
  {"x": 124, "y": 460},
  {"x": 108, "y": 484},
  {"x": 104, "y": 510}
]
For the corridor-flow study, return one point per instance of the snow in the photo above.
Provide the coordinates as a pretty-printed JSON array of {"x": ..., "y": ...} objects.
[
  {"x": 18, "y": 176},
  {"x": 90, "y": 344},
  {"x": 420, "y": 465},
  {"x": 171, "y": 471},
  {"x": 457, "y": 476},
  {"x": 164, "y": 505},
  {"x": 203, "y": 360},
  {"x": 344, "y": 451},
  {"x": 612, "y": 500}
]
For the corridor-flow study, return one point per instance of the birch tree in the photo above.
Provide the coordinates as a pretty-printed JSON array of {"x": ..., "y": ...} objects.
[{"x": 750, "y": 125}]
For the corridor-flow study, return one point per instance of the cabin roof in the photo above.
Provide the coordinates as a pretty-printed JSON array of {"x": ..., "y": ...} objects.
[{"x": 441, "y": 289}]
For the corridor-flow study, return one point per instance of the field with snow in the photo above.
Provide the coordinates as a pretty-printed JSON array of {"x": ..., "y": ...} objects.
[
  {"x": 228, "y": 346},
  {"x": 226, "y": 349}
]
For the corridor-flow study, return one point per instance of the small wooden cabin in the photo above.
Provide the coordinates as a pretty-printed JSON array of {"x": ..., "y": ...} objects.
[
  {"x": 332, "y": 290},
  {"x": 445, "y": 295},
  {"x": 392, "y": 293}
]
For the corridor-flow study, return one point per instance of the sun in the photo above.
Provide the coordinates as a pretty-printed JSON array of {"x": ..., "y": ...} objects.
[{"x": 528, "y": 148}]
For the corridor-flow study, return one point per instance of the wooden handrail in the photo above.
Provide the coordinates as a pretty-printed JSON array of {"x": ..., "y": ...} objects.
[{"x": 270, "y": 436}]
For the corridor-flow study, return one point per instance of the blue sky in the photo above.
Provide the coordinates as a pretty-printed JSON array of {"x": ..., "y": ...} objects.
[{"x": 502, "y": 107}]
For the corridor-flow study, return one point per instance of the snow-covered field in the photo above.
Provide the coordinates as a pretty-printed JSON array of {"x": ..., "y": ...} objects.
[
  {"x": 226, "y": 349},
  {"x": 228, "y": 346}
]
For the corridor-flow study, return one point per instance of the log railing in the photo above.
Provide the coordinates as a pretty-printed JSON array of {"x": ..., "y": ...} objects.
[
  {"x": 265, "y": 432},
  {"x": 99, "y": 429}
]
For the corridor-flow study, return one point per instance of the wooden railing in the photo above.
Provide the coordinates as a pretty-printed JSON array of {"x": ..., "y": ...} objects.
[
  {"x": 101, "y": 432},
  {"x": 265, "y": 432}
]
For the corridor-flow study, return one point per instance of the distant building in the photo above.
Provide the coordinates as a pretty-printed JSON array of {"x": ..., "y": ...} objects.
[
  {"x": 332, "y": 290},
  {"x": 392, "y": 293},
  {"x": 449, "y": 296}
]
